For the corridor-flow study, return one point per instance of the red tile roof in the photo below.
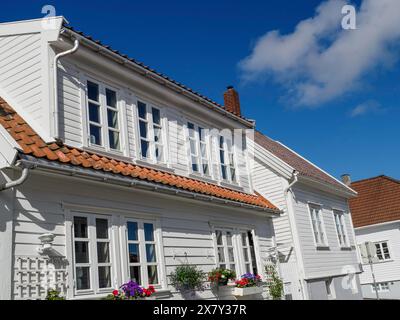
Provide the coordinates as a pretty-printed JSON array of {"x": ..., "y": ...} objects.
[
  {"x": 304, "y": 167},
  {"x": 378, "y": 201},
  {"x": 32, "y": 144}
]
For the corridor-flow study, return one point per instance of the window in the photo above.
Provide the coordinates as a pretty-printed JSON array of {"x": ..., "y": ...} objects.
[
  {"x": 317, "y": 225},
  {"x": 226, "y": 254},
  {"x": 249, "y": 254},
  {"x": 198, "y": 149},
  {"x": 150, "y": 132},
  {"x": 340, "y": 228},
  {"x": 382, "y": 251},
  {"x": 227, "y": 159},
  {"x": 235, "y": 251},
  {"x": 142, "y": 256},
  {"x": 104, "y": 128},
  {"x": 381, "y": 287},
  {"x": 92, "y": 258}
]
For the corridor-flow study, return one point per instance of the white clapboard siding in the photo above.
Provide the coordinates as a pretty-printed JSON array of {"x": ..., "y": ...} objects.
[
  {"x": 319, "y": 263},
  {"x": 21, "y": 73},
  {"x": 177, "y": 141},
  {"x": 388, "y": 270},
  {"x": 244, "y": 179},
  {"x": 185, "y": 227},
  {"x": 70, "y": 113},
  {"x": 270, "y": 185},
  {"x": 130, "y": 110}
]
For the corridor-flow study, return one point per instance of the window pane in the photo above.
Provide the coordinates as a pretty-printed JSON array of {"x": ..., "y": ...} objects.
[
  {"x": 102, "y": 228},
  {"x": 111, "y": 98},
  {"x": 148, "y": 232},
  {"x": 95, "y": 135},
  {"x": 142, "y": 110},
  {"x": 82, "y": 278},
  {"x": 94, "y": 112},
  {"x": 93, "y": 91},
  {"x": 205, "y": 169},
  {"x": 156, "y": 116},
  {"x": 81, "y": 252},
  {"x": 135, "y": 274},
  {"x": 231, "y": 256},
  {"x": 152, "y": 273},
  {"x": 193, "y": 148},
  {"x": 104, "y": 277},
  {"x": 221, "y": 255},
  {"x": 229, "y": 238},
  {"x": 143, "y": 129},
  {"x": 159, "y": 153},
  {"x": 218, "y": 234},
  {"x": 157, "y": 134},
  {"x": 203, "y": 150},
  {"x": 112, "y": 118},
  {"x": 151, "y": 253},
  {"x": 145, "y": 148},
  {"x": 222, "y": 156},
  {"x": 221, "y": 142},
  {"x": 233, "y": 174},
  {"x": 103, "y": 252},
  {"x": 134, "y": 256},
  {"x": 201, "y": 134},
  {"x": 222, "y": 266},
  {"x": 245, "y": 254},
  {"x": 114, "y": 139},
  {"x": 244, "y": 239},
  {"x": 224, "y": 173},
  {"x": 80, "y": 227},
  {"x": 132, "y": 231}
]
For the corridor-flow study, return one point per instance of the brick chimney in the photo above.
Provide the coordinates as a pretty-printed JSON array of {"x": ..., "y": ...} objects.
[{"x": 232, "y": 101}]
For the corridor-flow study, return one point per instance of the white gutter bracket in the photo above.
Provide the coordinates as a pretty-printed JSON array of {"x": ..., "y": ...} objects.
[
  {"x": 295, "y": 180},
  {"x": 55, "y": 79}
]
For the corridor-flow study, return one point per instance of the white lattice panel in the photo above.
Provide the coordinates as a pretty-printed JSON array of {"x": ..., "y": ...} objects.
[{"x": 33, "y": 276}]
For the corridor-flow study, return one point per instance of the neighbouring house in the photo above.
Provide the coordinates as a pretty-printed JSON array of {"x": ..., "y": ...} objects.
[
  {"x": 315, "y": 237},
  {"x": 376, "y": 219},
  {"x": 109, "y": 172}
]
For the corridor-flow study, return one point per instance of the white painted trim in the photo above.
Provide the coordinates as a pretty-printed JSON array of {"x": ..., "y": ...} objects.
[{"x": 378, "y": 225}]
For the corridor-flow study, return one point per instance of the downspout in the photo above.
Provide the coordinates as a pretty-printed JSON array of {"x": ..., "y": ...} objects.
[
  {"x": 55, "y": 77},
  {"x": 292, "y": 223},
  {"x": 16, "y": 183}
]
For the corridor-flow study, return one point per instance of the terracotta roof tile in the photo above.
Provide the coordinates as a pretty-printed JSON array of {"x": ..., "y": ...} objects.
[
  {"x": 378, "y": 201},
  {"x": 24, "y": 135}
]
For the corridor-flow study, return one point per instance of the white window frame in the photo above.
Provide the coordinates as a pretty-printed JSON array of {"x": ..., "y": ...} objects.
[
  {"x": 319, "y": 243},
  {"x": 103, "y": 115},
  {"x": 201, "y": 160},
  {"x": 380, "y": 244},
  {"x": 93, "y": 258},
  {"x": 341, "y": 229},
  {"x": 237, "y": 244},
  {"x": 381, "y": 286},
  {"x": 228, "y": 148},
  {"x": 150, "y": 133},
  {"x": 143, "y": 264}
]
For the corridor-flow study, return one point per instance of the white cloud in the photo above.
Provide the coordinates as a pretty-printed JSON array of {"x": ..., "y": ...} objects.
[
  {"x": 320, "y": 61},
  {"x": 367, "y": 107}
]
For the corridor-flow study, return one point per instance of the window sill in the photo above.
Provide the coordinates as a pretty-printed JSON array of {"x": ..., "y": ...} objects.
[
  {"x": 156, "y": 166},
  {"x": 346, "y": 248},
  {"x": 109, "y": 154},
  {"x": 379, "y": 262},
  {"x": 231, "y": 185},
  {"x": 323, "y": 247},
  {"x": 202, "y": 178}
]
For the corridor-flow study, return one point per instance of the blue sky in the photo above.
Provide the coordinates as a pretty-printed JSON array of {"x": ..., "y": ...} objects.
[{"x": 201, "y": 45}]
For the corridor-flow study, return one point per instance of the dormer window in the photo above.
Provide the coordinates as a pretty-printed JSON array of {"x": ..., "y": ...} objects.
[
  {"x": 150, "y": 132},
  {"x": 227, "y": 159},
  {"x": 104, "y": 127},
  {"x": 198, "y": 149}
]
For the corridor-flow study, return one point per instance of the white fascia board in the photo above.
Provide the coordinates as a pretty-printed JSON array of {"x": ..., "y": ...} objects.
[
  {"x": 327, "y": 187},
  {"x": 8, "y": 149},
  {"x": 377, "y": 225},
  {"x": 271, "y": 160},
  {"x": 351, "y": 191},
  {"x": 50, "y": 26}
]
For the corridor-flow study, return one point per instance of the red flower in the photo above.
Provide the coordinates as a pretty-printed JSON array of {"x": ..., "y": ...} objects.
[
  {"x": 151, "y": 289},
  {"x": 115, "y": 292}
]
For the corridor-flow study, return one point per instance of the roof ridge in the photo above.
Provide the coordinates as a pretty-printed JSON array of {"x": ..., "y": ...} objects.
[{"x": 382, "y": 176}]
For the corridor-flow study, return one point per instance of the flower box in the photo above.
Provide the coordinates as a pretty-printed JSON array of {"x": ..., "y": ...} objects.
[{"x": 241, "y": 292}]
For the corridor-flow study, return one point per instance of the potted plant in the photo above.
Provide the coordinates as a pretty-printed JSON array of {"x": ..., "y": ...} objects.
[
  {"x": 131, "y": 291},
  {"x": 54, "y": 295},
  {"x": 187, "y": 279},
  {"x": 220, "y": 277},
  {"x": 249, "y": 284},
  {"x": 274, "y": 283}
]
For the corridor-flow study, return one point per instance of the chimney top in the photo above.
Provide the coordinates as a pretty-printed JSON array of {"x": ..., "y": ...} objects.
[
  {"x": 229, "y": 87},
  {"x": 346, "y": 179},
  {"x": 232, "y": 101}
]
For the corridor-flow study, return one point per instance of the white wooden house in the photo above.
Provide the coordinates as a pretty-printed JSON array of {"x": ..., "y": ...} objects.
[
  {"x": 108, "y": 172},
  {"x": 315, "y": 236},
  {"x": 376, "y": 218}
]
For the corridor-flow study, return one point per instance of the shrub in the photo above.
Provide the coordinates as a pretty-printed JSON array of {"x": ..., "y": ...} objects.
[
  {"x": 274, "y": 283},
  {"x": 54, "y": 295}
]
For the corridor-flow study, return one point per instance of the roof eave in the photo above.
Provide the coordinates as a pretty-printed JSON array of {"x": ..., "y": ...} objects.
[{"x": 329, "y": 187}]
